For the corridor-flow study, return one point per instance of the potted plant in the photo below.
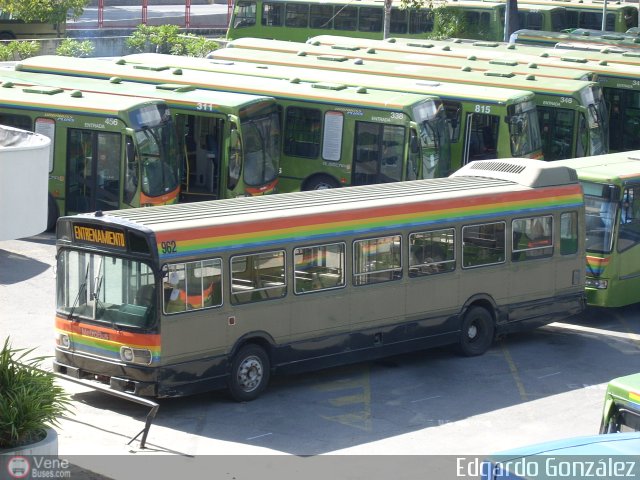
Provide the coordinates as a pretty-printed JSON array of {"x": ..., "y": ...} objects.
[{"x": 30, "y": 404}]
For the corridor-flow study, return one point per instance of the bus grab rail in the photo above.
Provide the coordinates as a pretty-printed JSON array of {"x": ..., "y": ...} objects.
[{"x": 125, "y": 396}]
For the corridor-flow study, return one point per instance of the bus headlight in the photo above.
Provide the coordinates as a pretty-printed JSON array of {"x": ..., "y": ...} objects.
[
  {"x": 597, "y": 283},
  {"x": 135, "y": 355},
  {"x": 63, "y": 341}
]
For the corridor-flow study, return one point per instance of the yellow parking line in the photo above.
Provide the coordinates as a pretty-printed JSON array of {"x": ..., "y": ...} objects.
[{"x": 514, "y": 371}]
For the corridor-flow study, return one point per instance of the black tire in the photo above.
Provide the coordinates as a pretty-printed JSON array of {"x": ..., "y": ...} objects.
[
  {"x": 477, "y": 332},
  {"x": 7, "y": 36},
  {"x": 321, "y": 182},
  {"x": 249, "y": 374}
]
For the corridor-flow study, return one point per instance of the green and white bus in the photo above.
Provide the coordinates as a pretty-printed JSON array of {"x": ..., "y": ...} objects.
[
  {"x": 621, "y": 411},
  {"x": 298, "y": 20},
  {"x": 108, "y": 152},
  {"x": 611, "y": 185},
  {"x": 620, "y": 83},
  {"x": 332, "y": 135},
  {"x": 194, "y": 297},
  {"x": 228, "y": 143},
  {"x": 471, "y": 113},
  {"x": 620, "y": 15},
  {"x": 572, "y": 114}
]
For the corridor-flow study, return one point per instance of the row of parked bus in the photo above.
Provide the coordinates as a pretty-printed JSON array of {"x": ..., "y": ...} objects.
[
  {"x": 178, "y": 299},
  {"x": 298, "y": 20}
]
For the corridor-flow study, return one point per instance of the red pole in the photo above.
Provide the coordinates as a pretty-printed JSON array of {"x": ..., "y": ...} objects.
[
  {"x": 187, "y": 13},
  {"x": 100, "y": 13},
  {"x": 145, "y": 3},
  {"x": 230, "y": 10}
]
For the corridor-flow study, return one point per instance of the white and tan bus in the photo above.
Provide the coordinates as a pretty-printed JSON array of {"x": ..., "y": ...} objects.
[{"x": 172, "y": 300}]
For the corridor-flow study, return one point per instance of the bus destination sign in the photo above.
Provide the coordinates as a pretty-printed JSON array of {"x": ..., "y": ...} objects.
[{"x": 99, "y": 235}]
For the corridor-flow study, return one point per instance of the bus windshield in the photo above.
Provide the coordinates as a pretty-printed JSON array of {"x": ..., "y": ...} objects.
[
  {"x": 435, "y": 149},
  {"x": 524, "y": 129},
  {"x": 157, "y": 149},
  {"x": 119, "y": 293},
  {"x": 597, "y": 115},
  {"x": 600, "y": 214},
  {"x": 261, "y": 147}
]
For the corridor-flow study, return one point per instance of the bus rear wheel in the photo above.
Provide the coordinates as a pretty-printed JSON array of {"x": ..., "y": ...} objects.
[
  {"x": 321, "y": 182},
  {"x": 249, "y": 373},
  {"x": 477, "y": 332}
]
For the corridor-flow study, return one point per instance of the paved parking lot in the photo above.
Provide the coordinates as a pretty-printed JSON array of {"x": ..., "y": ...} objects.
[{"x": 528, "y": 388}]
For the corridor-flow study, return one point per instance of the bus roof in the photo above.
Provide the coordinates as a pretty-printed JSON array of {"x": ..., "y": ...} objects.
[
  {"x": 251, "y": 49},
  {"x": 56, "y": 99},
  {"x": 488, "y": 78},
  {"x": 336, "y": 93},
  {"x": 626, "y": 389},
  {"x": 611, "y": 168},
  {"x": 488, "y": 51},
  {"x": 441, "y": 89},
  {"x": 311, "y": 214},
  {"x": 175, "y": 95}
]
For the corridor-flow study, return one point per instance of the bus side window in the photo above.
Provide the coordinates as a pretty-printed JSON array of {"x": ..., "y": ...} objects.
[
  {"x": 272, "y": 14},
  {"x": 245, "y": 14},
  {"x": 431, "y": 252},
  {"x": 319, "y": 267},
  {"x": 193, "y": 286},
  {"x": 568, "y": 233},
  {"x": 532, "y": 238},
  {"x": 483, "y": 244},
  {"x": 377, "y": 260},
  {"x": 257, "y": 277}
]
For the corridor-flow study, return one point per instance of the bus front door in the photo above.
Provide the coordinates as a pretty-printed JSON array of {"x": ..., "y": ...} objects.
[{"x": 93, "y": 171}]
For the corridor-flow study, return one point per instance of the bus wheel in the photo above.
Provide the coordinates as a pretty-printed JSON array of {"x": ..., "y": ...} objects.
[
  {"x": 321, "y": 182},
  {"x": 477, "y": 331},
  {"x": 249, "y": 373}
]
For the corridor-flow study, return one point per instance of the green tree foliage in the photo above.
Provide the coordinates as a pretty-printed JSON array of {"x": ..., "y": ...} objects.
[
  {"x": 30, "y": 399},
  {"x": 167, "y": 39},
  {"x": 74, "y": 48},
  {"x": 18, "y": 50},
  {"x": 449, "y": 23},
  {"x": 51, "y": 11}
]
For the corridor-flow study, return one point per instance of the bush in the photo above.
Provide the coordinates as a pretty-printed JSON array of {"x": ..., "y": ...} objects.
[
  {"x": 18, "y": 50},
  {"x": 74, "y": 48},
  {"x": 30, "y": 400},
  {"x": 167, "y": 39}
]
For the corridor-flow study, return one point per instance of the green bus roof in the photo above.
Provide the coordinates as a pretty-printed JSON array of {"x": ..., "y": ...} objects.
[
  {"x": 441, "y": 89},
  {"x": 247, "y": 49},
  {"x": 499, "y": 79},
  {"x": 570, "y": 60},
  {"x": 614, "y": 168},
  {"x": 175, "y": 95},
  {"x": 43, "y": 99},
  {"x": 281, "y": 89}
]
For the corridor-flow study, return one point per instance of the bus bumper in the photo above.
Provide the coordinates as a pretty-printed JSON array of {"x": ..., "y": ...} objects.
[{"x": 143, "y": 389}]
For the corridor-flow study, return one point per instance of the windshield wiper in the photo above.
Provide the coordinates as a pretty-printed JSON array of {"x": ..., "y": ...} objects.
[{"x": 76, "y": 302}]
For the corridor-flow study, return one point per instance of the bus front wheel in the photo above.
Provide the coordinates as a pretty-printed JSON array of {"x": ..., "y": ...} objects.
[
  {"x": 249, "y": 373},
  {"x": 477, "y": 332},
  {"x": 321, "y": 182}
]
